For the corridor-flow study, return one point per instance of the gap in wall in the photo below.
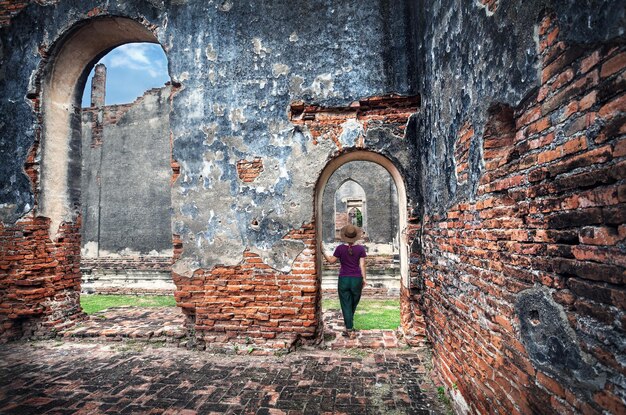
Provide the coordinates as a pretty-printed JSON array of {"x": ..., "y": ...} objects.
[
  {"x": 364, "y": 194},
  {"x": 125, "y": 174}
]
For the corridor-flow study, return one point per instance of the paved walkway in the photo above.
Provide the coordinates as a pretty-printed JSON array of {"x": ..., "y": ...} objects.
[
  {"x": 165, "y": 325},
  {"x": 156, "y": 324},
  {"x": 133, "y": 364},
  {"x": 369, "y": 339},
  {"x": 64, "y": 377}
]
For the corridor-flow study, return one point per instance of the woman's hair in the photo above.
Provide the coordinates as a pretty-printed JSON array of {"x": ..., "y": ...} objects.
[{"x": 350, "y": 248}]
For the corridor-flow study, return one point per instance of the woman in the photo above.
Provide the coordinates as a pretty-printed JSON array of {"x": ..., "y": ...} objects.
[{"x": 352, "y": 276}]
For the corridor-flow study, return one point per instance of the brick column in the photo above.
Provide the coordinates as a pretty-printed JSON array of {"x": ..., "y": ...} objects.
[{"x": 98, "y": 86}]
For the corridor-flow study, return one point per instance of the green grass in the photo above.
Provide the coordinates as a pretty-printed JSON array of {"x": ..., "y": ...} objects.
[
  {"x": 444, "y": 399},
  {"x": 94, "y": 303},
  {"x": 372, "y": 314}
]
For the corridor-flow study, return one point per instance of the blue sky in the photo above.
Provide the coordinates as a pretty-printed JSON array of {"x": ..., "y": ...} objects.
[{"x": 132, "y": 69}]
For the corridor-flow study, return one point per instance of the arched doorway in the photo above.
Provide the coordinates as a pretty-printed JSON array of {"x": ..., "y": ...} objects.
[
  {"x": 126, "y": 242},
  {"x": 350, "y": 205},
  {"x": 62, "y": 81},
  {"x": 401, "y": 206}
]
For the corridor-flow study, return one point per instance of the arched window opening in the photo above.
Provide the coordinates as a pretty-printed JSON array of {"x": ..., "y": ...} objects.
[
  {"x": 349, "y": 196},
  {"x": 129, "y": 71},
  {"x": 96, "y": 161}
]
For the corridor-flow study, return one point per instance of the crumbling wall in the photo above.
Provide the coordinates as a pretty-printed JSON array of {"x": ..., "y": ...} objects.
[
  {"x": 238, "y": 90},
  {"x": 126, "y": 230},
  {"x": 520, "y": 260},
  {"x": 514, "y": 170},
  {"x": 243, "y": 172}
]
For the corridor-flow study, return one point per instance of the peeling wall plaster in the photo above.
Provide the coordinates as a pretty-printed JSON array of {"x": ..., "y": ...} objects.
[{"x": 239, "y": 67}]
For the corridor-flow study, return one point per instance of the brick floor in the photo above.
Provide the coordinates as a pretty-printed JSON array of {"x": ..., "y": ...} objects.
[
  {"x": 370, "y": 339},
  {"x": 160, "y": 324},
  {"x": 165, "y": 324},
  {"x": 65, "y": 377}
]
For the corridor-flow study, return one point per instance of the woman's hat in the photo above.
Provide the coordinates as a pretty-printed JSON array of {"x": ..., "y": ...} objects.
[{"x": 350, "y": 233}]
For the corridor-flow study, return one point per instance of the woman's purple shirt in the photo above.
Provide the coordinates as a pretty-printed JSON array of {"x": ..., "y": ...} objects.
[{"x": 350, "y": 263}]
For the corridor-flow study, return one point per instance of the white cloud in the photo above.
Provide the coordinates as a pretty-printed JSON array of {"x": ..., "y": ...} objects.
[
  {"x": 133, "y": 68},
  {"x": 136, "y": 57}
]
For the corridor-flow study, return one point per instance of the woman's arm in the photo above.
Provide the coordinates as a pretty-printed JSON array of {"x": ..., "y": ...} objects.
[
  {"x": 331, "y": 259},
  {"x": 363, "y": 273}
]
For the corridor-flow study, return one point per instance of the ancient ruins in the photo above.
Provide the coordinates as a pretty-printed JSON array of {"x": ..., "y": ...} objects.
[{"x": 500, "y": 125}]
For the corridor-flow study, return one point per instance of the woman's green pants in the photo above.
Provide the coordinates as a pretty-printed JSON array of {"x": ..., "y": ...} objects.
[{"x": 349, "y": 289}]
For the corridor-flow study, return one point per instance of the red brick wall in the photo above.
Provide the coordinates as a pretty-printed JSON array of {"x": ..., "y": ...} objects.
[
  {"x": 249, "y": 170},
  {"x": 491, "y": 5},
  {"x": 341, "y": 220},
  {"x": 39, "y": 278},
  {"x": 9, "y": 8},
  {"x": 461, "y": 152},
  {"x": 325, "y": 123},
  {"x": 252, "y": 303},
  {"x": 550, "y": 211}
]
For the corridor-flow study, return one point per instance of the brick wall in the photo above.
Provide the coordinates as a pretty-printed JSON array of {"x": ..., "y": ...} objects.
[
  {"x": 9, "y": 8},
  {"x": 138, "y": 262},
  {"x": 98, "y": 86},
  {"x": 461, "y": 152},
  {"x": 127, "y": 275},
  {"x": 549, "y": 216},
  {"x": 341, "y": 220},
  {"x": 249, "y": 170},
  {"x": 325, "y": 123},
  {"x": 39, "y": 279},
  {"x": 490, "y": 5},
  {"x": 101, "y": 116},
  {"x": 392, "y": 112},
  {"x": 252, "y": 303}
]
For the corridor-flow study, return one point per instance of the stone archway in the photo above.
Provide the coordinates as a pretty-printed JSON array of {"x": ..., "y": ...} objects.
[
  {"x": 398, "y": 180},
  {"x": 57, "y": 176},
  {"x": 63, "y": 80}
]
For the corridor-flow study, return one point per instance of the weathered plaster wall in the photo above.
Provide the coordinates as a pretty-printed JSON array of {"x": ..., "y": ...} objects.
[
  {"x": 244, "y": 167},
  {"x": 471, "y": 58},
  {"x": 126, "y": 176},
  {"x": 520, "y": 260},
  {"x": 239, "y": 76}
]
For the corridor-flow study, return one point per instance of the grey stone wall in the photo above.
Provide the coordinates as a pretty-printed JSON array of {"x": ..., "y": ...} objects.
[
  {"x": 126, "y": 177},
  {"x": 381, "y": 200}
]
